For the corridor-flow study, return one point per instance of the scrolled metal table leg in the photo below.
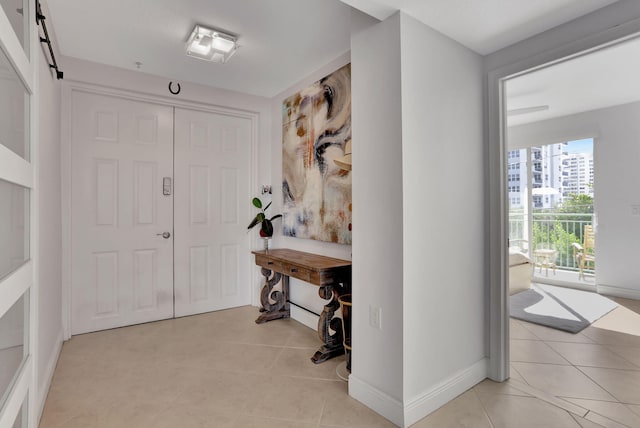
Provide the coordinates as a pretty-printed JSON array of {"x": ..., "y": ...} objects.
[
  {"x": 328, "y": 322},
  {"x": 275, "y": 303}
]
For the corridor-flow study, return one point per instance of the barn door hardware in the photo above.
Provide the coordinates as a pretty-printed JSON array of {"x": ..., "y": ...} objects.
[{"x": 40, "y": 20}]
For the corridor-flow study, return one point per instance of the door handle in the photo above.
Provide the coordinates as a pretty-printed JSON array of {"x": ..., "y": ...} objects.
[{"x": 165, "y": 235}]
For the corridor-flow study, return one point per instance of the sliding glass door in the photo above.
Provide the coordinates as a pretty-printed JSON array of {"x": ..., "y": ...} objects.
[{"x": 551, "y": 195}]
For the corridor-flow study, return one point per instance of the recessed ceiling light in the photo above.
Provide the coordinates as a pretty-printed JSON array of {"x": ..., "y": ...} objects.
[{"x": 211, "y": 45}]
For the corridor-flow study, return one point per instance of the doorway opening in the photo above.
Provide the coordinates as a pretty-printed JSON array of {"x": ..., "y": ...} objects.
[
  {"x": 551, "y": 204},
  {"x": 591, "y": 99},
  {"x": 159, "y": 198}
]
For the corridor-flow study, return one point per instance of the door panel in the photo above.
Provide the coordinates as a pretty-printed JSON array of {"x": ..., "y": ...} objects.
[
  {"x": 122, "y": 271},
  {"x": 212, "y": 247}
]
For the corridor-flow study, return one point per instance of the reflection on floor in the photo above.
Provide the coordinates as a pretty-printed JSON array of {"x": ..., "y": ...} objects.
[{"x": 222, "y": 370}]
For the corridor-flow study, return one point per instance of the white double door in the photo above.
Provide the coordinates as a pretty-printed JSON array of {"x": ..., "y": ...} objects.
[{"x": 159, "y": 201}]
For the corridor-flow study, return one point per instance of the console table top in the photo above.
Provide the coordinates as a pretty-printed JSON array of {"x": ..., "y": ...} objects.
[{"x": 308, "y": 260}]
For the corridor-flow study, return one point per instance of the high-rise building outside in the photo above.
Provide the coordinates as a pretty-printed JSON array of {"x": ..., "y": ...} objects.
[
  {"x": 579, "y": 174},
  {"x": 556, "y": 173}
]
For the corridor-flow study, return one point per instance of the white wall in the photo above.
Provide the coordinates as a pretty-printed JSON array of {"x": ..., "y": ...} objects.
[
  {"x": 443, "y": 200},
  {"x": 377, "y": 376},
  {"x": 616, "y": 152},
  {"x": 417, "y": 123},
  {"x": 302, "y": 293},
  {"x": 49, "y": 227}
]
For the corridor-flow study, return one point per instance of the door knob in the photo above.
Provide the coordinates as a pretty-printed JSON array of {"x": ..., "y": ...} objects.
[{"x": 165, "y": 235}]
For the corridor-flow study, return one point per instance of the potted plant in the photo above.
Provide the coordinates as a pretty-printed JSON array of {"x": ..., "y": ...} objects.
[{"x": 266, "y": 224}]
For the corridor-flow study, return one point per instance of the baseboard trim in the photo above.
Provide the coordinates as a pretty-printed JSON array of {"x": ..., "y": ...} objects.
[
  {"x": 444, "y": 392},
  {"x": 422, "y": 405},
  {"x": 626, "y": 293},
  {"x": 304, "y": 317},
  {"x": 43, "y": 389},
  {"x": 376, "y": 400}
]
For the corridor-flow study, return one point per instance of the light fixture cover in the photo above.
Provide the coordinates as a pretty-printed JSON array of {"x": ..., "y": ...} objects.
[{"x": 211, "y": 45}]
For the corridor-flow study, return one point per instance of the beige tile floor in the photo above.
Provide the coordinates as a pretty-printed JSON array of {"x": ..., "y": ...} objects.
[{"x": 222, "y": 370}]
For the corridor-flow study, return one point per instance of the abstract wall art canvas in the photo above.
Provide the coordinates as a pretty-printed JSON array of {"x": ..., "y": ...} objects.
[{"x": 316, "y": 126}]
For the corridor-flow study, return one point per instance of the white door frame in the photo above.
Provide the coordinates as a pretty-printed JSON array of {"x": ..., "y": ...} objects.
[
  {"x": 498, "y": 216},
  {"x": 68, "y": 88}
]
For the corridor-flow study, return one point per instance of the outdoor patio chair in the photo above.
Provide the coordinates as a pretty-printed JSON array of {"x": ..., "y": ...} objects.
[{"x": 585, "y": 254}]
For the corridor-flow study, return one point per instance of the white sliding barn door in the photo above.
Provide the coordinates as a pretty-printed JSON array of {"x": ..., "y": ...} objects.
[
  {"x": 213, "y": 208},
  {"x": 122, "y": 268}
]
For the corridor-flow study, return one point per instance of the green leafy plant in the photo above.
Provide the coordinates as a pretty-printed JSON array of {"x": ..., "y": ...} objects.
[{"x": 266, "y": 224}]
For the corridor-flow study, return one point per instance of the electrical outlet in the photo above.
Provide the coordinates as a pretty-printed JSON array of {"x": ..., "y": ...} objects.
[{"x": 375, "y": 317}]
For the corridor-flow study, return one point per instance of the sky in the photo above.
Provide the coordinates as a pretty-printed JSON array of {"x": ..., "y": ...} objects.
[{"x": 579, "y": 146}]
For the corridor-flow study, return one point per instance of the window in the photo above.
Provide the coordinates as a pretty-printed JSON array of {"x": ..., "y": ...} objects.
[
  {"x": 14, "y": 227},
  {"x": 14, "y": 110},
  {"x": 17, "y": 11},
  {"x": 22, "y": 417},
  {"x": 13, "y": 346}
]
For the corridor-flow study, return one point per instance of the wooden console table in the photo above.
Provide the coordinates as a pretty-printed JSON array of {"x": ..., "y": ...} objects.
[{"x": 333, "y": 276}]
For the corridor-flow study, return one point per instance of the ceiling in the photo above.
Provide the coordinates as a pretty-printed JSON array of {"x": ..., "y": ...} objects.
[
  {"x": 281, "y": 40},
  {"x": 485, "y": 26},
  {"x": 605, "y": 78}
]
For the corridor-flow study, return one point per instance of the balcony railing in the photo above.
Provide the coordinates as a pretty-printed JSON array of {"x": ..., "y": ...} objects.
[{"x": 555, "y": 231}]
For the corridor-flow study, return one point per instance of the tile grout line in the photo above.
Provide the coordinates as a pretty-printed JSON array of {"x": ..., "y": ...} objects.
[
  {"x": 484, "y": 409},
  {"x": 519, "y": 374},
  {"x": 597, "y": 383},
  {"x": 578, "y": 422},
  {"x": 558, "y": 353},
  {"x": 276, "y": 359},
  {"x": 607, "y": 418},
  {"x": 260, "y": 373},
  {"x": 607, "y": 347},
  {"x": 549, "y": 398},
  {"x": 628, "y": 406},
  {"x": 590, "y": 399},
  {"x": 592, "y": 380},
  {"x": 580, "y": 334},
  {"x": 590, "y": 341},
  {"x": 324, "y": 405},
  {"x": 543, "y": 364}
]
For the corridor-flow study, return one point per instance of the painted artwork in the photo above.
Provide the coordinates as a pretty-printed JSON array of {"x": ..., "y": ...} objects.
[{"x": 316, "y": 128}]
